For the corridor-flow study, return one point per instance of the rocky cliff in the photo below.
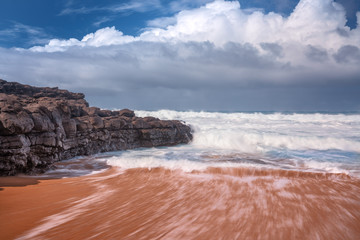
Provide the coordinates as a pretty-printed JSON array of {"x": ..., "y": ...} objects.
[{"x": 39, "y": 126}]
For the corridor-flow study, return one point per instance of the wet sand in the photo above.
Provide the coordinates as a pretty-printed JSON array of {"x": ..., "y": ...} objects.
[{"x": 232, "y": 203}]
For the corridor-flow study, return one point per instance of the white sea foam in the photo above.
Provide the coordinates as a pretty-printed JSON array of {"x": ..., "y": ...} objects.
[
  {"x": 174, "y": 158},
  {"x": 128, "y": 162},
  {"x": 258, "y": 132},
  {"x": 319, "y": 142}
]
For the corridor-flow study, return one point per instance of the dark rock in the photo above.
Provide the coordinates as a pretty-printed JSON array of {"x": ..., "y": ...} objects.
[
  {"x": 104, "y": 113},
  {"x": 92, "y": 111},
  {"x": 97, "y": 122},
  {"x": 39, "y": 126},
  {"x": 150, "y": 119},
  {"x": 70, "y": 128},
  {"x": 127, "y": 113},
  {"x": 114, "y": 123},
  {"x": 36, "y": 92},
  {"x": 42, "y": 122},
  {"x": 83, "y": 124},
  {"x": 12, "y": 123},
  {"x": 140, "y": 123}
]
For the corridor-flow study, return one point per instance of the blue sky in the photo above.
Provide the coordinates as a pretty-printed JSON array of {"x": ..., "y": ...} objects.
[
  {"x": 25, "y": 23},
  {"x": 277, "y": 55}
]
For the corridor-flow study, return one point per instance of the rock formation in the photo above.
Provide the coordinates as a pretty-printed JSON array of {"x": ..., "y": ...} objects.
[{"x": 39, "y": 126}]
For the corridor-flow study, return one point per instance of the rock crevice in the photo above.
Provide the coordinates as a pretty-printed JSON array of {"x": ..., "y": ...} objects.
[{"x": 39, "y": 126}]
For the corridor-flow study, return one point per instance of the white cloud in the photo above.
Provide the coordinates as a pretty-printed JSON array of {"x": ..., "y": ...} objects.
[
  {"x": 161, "y": 22},
  {"x": 217, "y": 51},
  {"x": 319, "y": 24},
  {"x": 102, "y": 37},
  {"x": 103, "y": 20},
  {"x": 132, "y": 5},
  {"x": 315, "y": 22}
]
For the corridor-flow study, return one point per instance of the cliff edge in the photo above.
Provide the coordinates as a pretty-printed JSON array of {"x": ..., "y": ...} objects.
[{"x": 39, "y": 126}]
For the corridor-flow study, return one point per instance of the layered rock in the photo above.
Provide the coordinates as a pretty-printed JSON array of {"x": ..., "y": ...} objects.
[{"x": 39, "y": 126}]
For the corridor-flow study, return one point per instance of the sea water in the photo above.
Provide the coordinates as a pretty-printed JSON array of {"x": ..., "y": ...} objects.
[{"x": 316, "y": 142}]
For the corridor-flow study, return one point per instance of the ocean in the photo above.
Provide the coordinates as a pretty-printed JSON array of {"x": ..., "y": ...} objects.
[
  {"x": 244, "y": 176},
  {"x": 314, "y": 142}
]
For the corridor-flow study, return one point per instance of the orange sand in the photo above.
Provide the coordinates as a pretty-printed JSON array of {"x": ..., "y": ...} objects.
[{"x": 163, "y": 204}]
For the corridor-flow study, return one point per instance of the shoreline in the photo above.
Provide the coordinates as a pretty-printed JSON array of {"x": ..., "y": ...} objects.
[
  {"x": 40, "y": 126},
  {"x": 162, "y": 203}
]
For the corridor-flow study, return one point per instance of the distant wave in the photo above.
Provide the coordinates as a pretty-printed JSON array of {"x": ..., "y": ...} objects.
[
  {"x": 302, "y": 142},
  {"x": 259, "y": 132}
]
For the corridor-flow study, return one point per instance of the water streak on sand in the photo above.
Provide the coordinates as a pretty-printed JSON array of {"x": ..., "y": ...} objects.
[
  {"x": 74, "y": 209},
  {"x": 218, "y": 203}
]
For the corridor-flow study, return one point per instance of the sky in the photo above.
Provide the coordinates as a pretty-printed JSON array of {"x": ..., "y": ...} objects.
[{"x": 211, "y": 55}]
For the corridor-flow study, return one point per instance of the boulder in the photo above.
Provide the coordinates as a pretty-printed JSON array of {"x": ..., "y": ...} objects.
[{"x": 127, "y": 113}]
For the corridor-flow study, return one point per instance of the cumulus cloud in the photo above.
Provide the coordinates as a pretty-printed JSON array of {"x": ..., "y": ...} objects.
[
  {"x": 161, "y": 22},
  {"x": 216, "y": 55},
  {"x": 102, "y": 37},
  {"x": 319, "y": 23}
]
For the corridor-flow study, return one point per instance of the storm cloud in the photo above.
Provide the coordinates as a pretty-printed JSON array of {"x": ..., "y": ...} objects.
[{"x": 216, "y": 57}]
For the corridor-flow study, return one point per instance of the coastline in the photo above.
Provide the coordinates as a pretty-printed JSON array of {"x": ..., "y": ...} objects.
[
  {"x": 41, "y": 126},
  {"x": 161, "y": 203}
]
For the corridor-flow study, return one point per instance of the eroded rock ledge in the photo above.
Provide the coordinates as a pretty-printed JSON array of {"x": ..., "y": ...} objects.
[{"x": 39, "y": 126}]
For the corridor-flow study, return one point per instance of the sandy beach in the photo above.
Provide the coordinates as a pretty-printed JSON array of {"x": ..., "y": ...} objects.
[{"x": 219, "y": 203}]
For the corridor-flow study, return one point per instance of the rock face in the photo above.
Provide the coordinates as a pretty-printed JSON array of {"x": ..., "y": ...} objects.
[{"x": 39, "y": 126}]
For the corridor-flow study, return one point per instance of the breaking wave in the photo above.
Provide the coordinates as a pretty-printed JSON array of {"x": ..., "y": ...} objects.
[
  {"x": 259, "y": 132},
  {"x": 306, "y": 142}
]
